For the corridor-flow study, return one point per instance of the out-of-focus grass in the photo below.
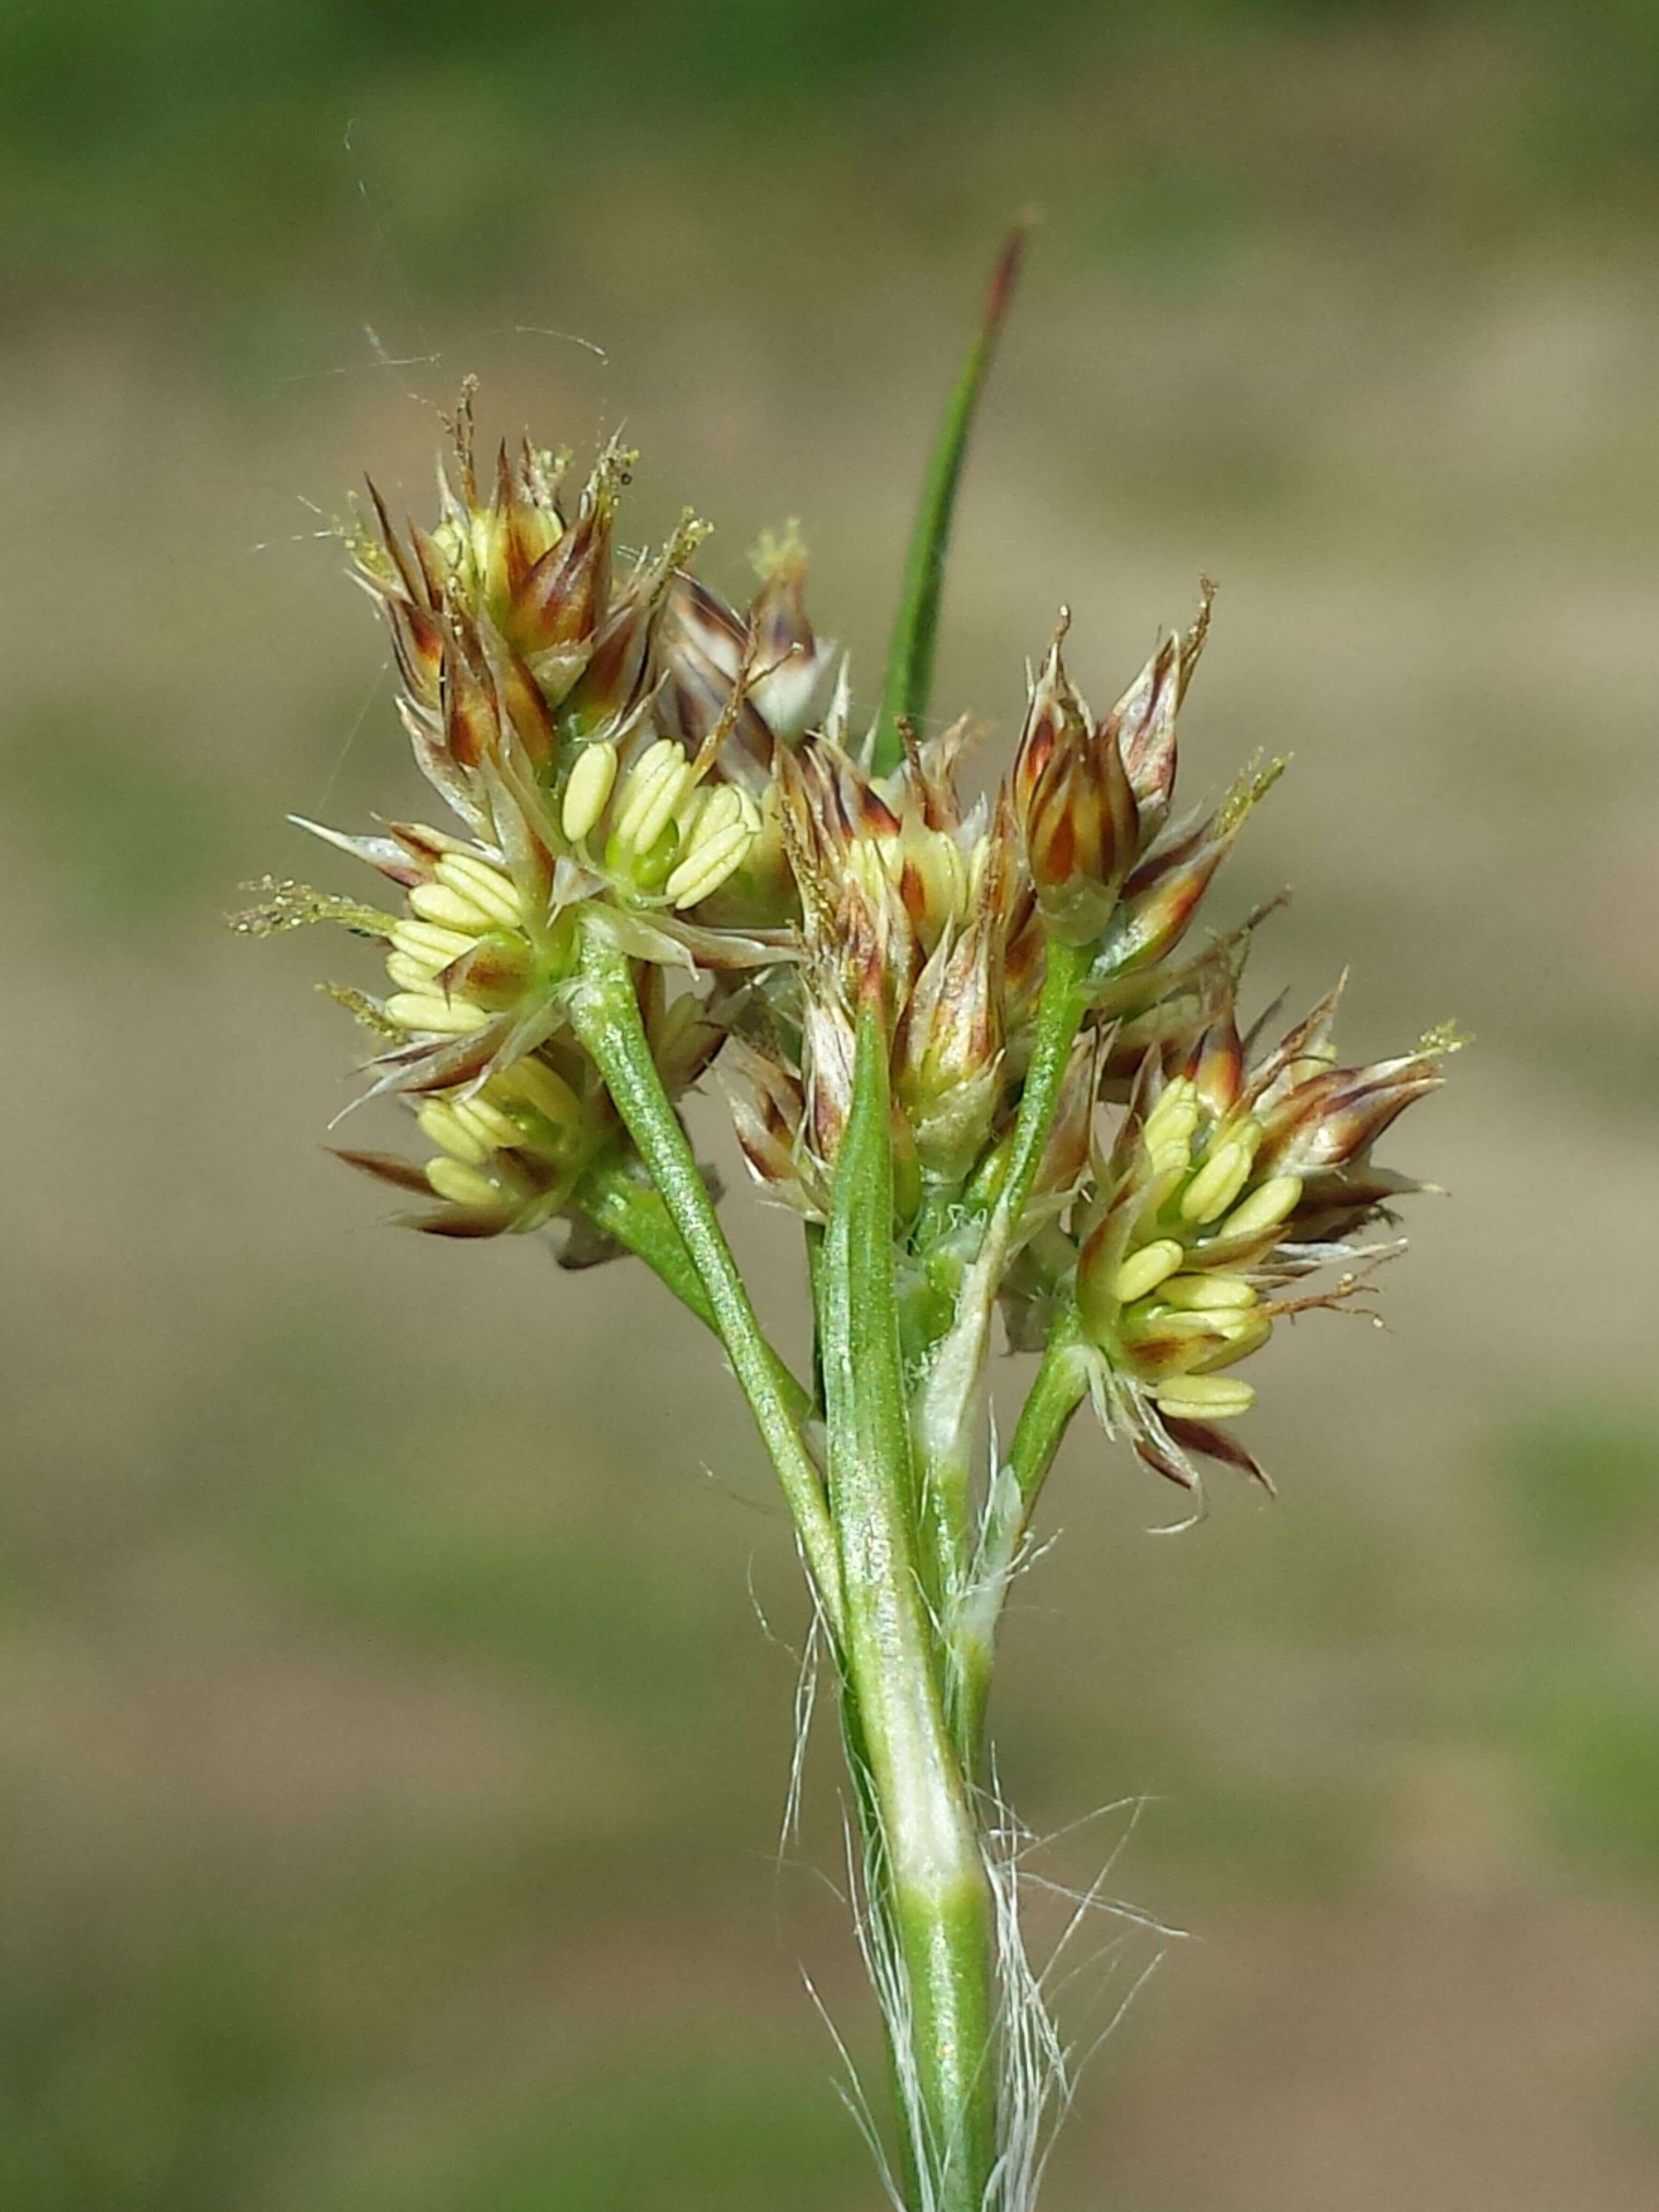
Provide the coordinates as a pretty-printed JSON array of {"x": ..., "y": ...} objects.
[
  {"x": 674, "y": 2118},
  {"x": 130, "y": 841},
  {"x": 392, "y": 1753},
  {"x": 1581, "y": 1483}
]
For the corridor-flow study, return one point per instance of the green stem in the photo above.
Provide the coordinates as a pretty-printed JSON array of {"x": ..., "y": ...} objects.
[
  {"x": 909, "y": 674},
  {"x": 948, "y": 1398},
  {"x": 1058, "y": 1388},
  {"x": 604, "y": 1011},
  {"x": 814, "y": 1275},
  {"x": 615, "y": 1199},
  {"x": 1060, "y": 1009},
  {"x": 928, "y": 1873}
]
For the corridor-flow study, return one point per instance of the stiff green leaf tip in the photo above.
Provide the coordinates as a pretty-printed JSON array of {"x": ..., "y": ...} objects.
[{"x": 909, "y": 676}]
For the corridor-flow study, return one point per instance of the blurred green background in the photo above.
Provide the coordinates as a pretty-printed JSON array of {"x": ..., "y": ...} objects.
[{"x": 397, "y": 1640}]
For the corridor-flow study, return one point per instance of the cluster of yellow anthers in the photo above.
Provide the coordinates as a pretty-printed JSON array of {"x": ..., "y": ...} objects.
[
  {"x": 1228, "y": 1182},
  {"x": 632, "y": 758}
]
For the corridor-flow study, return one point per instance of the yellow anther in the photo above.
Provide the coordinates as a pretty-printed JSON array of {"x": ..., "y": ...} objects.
[
  {"x": 424, "y": 941},
  {"x": 487, "y": 887},
  {"x": 441, "y": 1125},
  {"x": 1239, "y": 1335},
  {"x": 1177, "y": 1106},
  {"x": 1205, "y": 1294},
  {"x": 486, "y": 1124},
  {"x": 1218, "y": 1182},
  {"x": 1144, "y": 1270},
  {"x": 415, "y": 1009},
  {"x": 718, "y": 843},
  {"x": 417, "y": 976},
  {"x": 708, "y": 869},
  {"x": 652, "y": 790},
  {"x": 536, "y": 1082},
  {"x": 1171, "y": 1154},
  {"x": 586, "y": 795},
  {"x": 461, "y": 1184},
  {"x": 1205, "y": 1397},
  {"x": 1266, "y": 1208},
  {"x": 440, "y": 903},
  {"x": 944, "y": 874},
  {"x": 1216, "y": 1325}
]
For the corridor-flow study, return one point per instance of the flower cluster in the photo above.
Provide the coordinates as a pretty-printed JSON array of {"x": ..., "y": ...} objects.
[
  {"x": 633, "y": 760},
  {"x": 605, "y": 745}
]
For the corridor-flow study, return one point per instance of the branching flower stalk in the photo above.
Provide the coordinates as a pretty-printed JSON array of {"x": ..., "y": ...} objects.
[{"x": 975, "y": 1047}]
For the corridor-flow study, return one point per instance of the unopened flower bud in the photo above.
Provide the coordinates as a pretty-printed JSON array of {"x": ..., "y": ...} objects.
[
  {"x": 558, "y": 606},
  {"x": 1077, "y": 812}
]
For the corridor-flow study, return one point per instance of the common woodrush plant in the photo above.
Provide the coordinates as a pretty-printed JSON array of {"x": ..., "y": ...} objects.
[{"x": 979, "y": 1049}]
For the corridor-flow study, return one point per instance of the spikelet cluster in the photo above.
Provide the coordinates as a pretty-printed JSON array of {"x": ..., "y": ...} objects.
[{"x": 626, "y": 753}]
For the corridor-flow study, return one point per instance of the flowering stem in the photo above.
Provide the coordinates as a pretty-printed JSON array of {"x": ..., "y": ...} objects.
[
  {"x": 1060, "y": 1009},
  {"x": 949, "y": 1397},
  {"x": 910, "y": 655},
  {"x": 616, "y": 1200},
  {"x": 605, "y": 1013},
  {"x": 929, "y": 1877},
  {"x": 1058, "y": 1388}
]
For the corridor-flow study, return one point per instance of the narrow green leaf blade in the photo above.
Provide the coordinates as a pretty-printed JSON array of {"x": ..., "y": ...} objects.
[{"x": 910, "y": 677}]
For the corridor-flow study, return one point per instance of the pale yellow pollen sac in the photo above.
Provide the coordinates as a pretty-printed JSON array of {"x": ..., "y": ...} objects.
[
  {"x": 461, "y": 1184},
  {"x": 1205, "y": 1294},
  {"x": 588, "y": 791},
  {"x": 1218, "y": 1182},
  {"x": 706, "y": 813},
  {"x": 944, "y": 873},
  {"x": 1265, "y": 1208},
  {"x": 1177, "y": 1108},
  {"x": 413, "y": 1010},
  {"x": 487, "y": 1124},
  {"x": 1205, "y": 1397},
  {"x": 652, "y": 790},
  {"x": 1213, "y": 1323},
  {"x": 1236, "y": 1336},
  {"x": 722, "y": 830},
  {"x": 425, "y": 942},
  {"x": 1172, "y": 1154},
  {"x": 1169, "y": 1129},
  {"x": 416, "y": 976},
  {"x": 1144, "y": 1270},
  {"x": 438, "y": 903},
  {"x": 487, "y": 887},
  {"x": 704, "y": 870},
  {"x": 537, "y": 1084},
  {"x": 441, "y": 1125}
]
